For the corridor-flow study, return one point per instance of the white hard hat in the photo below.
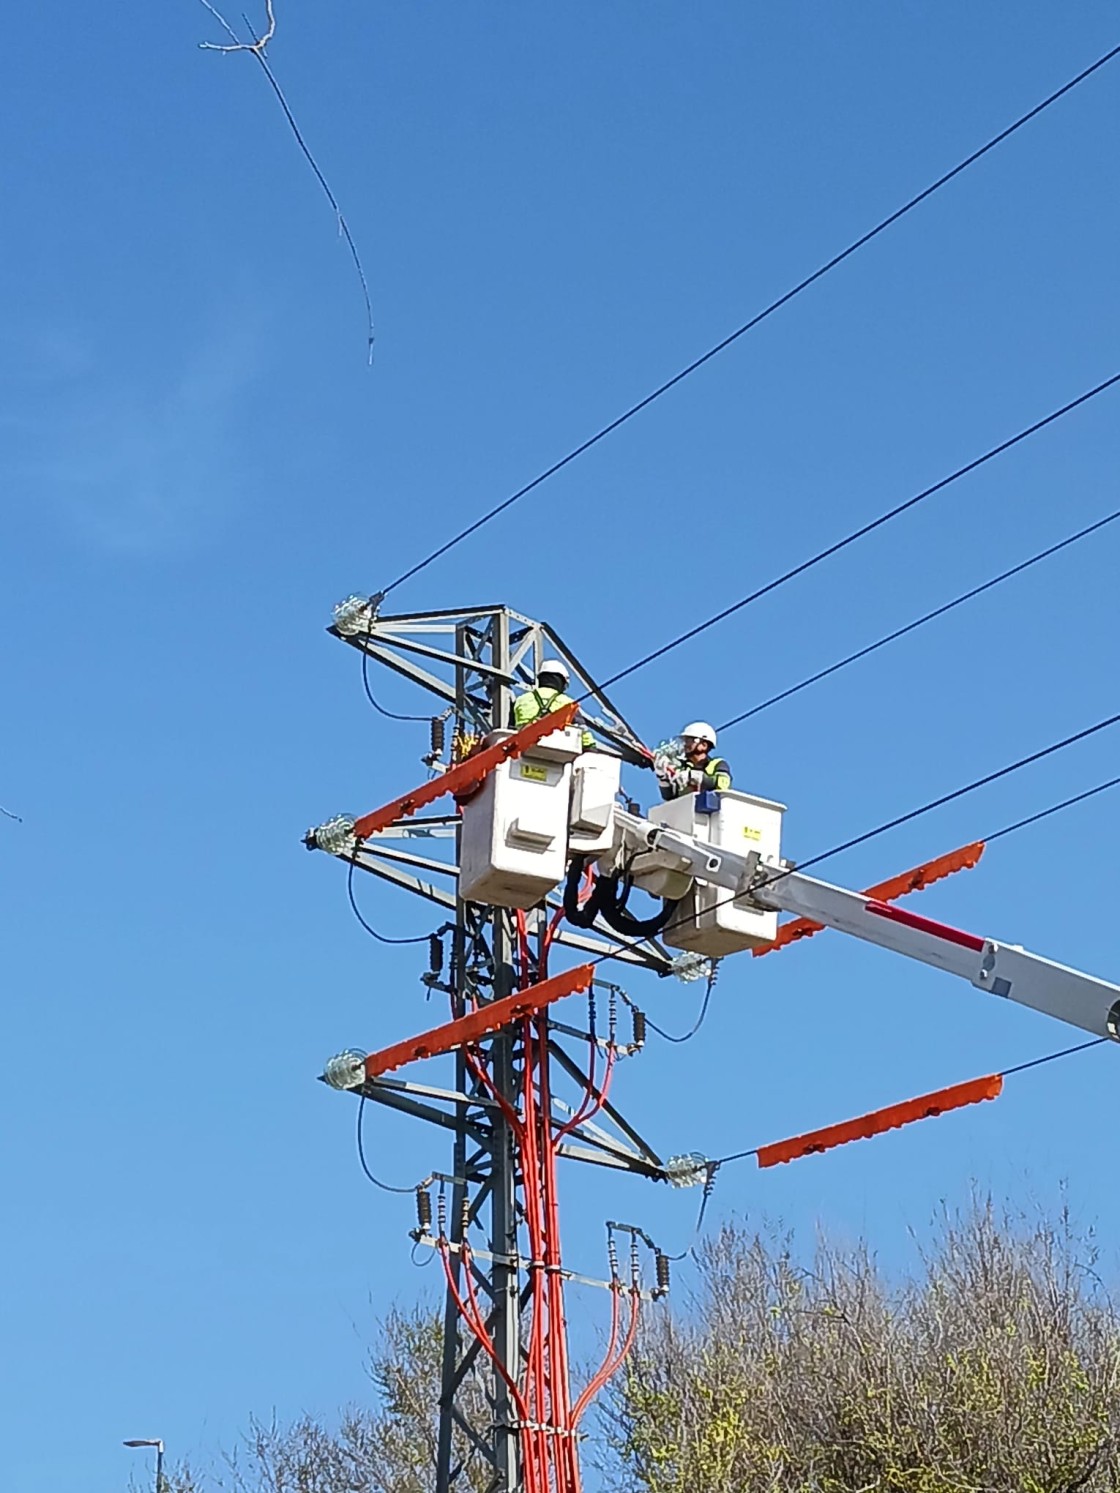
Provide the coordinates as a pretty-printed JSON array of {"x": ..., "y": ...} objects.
[
  {"x": 701, "y": 730},
  {"x": 555, "y": 667}
]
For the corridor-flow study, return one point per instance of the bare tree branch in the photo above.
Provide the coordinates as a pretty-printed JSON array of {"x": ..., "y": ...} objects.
[
  {"x": 257, "y": 49},
  {"x": 239, "y": 46}
]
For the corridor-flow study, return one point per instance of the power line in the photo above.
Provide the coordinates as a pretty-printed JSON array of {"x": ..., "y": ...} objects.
[
  {"x": 754, "y": 321},
  {"x": 373, "y": 933},
  {"x": 712, "y": 1167},
  {"x": 1066, "y": 803},
  {"x": 696, "y": 1025},
  {"x": 946, "y": 798},
  {"x": 901, "y": 632},
  {"x": 389, "y": 714},
  {"x": 881, "y": 829},
  {"x": 1050, "y": 1057},
  {"x": 377, "y": 1182},
  {"x": 864, "y": 529}
]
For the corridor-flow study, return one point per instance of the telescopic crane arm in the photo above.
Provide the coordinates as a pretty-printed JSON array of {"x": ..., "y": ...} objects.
[{"x": 1001, "y": 969}]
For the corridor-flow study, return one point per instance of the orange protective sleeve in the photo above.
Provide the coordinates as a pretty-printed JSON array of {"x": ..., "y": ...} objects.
[
  {"x": 887, "y": 891},
  {"x": 882, "y": 1120},
  {"x": 477, "y": 1024},
  {"x": 466, "y": 776}
]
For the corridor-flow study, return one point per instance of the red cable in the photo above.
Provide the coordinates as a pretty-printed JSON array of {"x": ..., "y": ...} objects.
[
  {"x": 479, "y": 1071},
  {"x": 547, "y": 1440},
  {"x": 530, "y": 1171},
  {"x": 559, "y": 1369},
  {"x": 471, "y": 1317},
  {"x": 529, "y": 1464},
  {"x": 524, "y": 955},
  {"x": 595, "y": 1383},
  {"x": 592, "y": 1102},
  {"x": 609, "y": 1371}
]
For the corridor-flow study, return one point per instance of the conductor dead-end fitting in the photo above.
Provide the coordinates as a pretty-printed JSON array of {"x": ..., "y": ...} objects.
[
  {"x": 336, "y": 836},
  {"x": 353, "y": 616},
  {"x": 689, "y": 1170},
  {"x": 347, "y": 1070},
  {"x": 690, "y": 967}
]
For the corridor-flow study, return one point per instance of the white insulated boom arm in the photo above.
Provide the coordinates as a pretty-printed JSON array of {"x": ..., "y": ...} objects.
[{"x": 1001, "y": 969}]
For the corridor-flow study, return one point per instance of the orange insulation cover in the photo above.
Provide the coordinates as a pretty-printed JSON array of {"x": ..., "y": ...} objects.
[
  {"x": 887, "y": 891},
  {"x": 882, "y": 1120},
  {"x": 466, "y": 776},
  {"x": 478, "y": 1024}
]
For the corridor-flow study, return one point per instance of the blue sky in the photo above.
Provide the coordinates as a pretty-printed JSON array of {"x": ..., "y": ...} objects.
[{"x": 556, "y": 208}]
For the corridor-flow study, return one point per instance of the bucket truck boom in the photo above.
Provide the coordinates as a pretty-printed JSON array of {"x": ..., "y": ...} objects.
[{"x": 1000, "y": 969}]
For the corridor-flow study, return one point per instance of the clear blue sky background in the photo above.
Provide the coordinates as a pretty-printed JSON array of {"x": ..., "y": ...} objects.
[{"x": 557, "y": 206}]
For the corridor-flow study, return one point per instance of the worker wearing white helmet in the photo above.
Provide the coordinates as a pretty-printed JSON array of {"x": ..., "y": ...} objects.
[
  {"x": 548, "y": 694},
  {"x": 701, "y": 770}
]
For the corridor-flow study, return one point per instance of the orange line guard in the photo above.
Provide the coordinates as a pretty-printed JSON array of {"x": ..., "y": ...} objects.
[
  {"x": 477, "y": 1024},
  {"x": 887, "y": 891},
  {"x": 882, "y": 1120},
  {"x": 466, "y": 776}
]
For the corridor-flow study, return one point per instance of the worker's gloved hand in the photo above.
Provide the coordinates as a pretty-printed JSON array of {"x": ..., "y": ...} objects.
[{"x": 694, "y": 778}]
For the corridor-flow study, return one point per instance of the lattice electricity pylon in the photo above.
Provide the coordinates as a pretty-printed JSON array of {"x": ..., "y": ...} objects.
[{"x": 472, "y": 661}]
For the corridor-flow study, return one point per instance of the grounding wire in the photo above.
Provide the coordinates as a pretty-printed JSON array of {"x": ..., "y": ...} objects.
[
  {"x": 854, "y": 535},
  {"x": 754, "y": 321},
  {"x": 373, "y": 933},
  {"x": 377, "y": 1182},
  {"x": 900, "y": 632}
]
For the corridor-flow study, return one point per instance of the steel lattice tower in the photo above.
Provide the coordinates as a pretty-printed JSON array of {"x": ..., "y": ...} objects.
[{"x": 493, "y": 652}]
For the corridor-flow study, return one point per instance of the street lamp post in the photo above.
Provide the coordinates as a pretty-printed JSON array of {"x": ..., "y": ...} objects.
[{"x": 159, "y": 1460}]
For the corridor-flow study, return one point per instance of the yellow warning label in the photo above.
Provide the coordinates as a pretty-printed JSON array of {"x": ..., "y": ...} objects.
[
  {"x": 751, "y": 834},
  {"x": 534, "y": 773}
]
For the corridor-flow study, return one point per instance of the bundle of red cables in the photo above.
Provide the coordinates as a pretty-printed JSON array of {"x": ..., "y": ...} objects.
[{"x": 542, "y": 1395}]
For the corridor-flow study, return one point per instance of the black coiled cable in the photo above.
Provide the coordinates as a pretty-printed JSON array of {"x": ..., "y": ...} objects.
[{"x": 608, "y": 899}]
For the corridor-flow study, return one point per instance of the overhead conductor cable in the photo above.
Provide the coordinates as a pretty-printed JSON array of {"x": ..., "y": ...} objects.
[
  {"x": 754, "y": 321},
  {"x": 935, "y": 803},
  {"x": 901, "y": 632},
  {"x": 860, "y": 533},
  {"x": 894, "y": 1116}
]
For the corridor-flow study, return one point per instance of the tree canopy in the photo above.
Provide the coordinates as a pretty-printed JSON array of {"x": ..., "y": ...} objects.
[{"x": 992, "y": 1367}]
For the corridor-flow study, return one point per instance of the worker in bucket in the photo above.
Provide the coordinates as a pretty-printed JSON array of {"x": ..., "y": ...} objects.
[
  {"x": 693, "y": 767},
  {"x": 547, "y": 694}
]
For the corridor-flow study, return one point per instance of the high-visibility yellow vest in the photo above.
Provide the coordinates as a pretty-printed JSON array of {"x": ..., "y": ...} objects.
[
  {"x": 711, "y": 769},
  {"x": 537, "y": 702}
]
